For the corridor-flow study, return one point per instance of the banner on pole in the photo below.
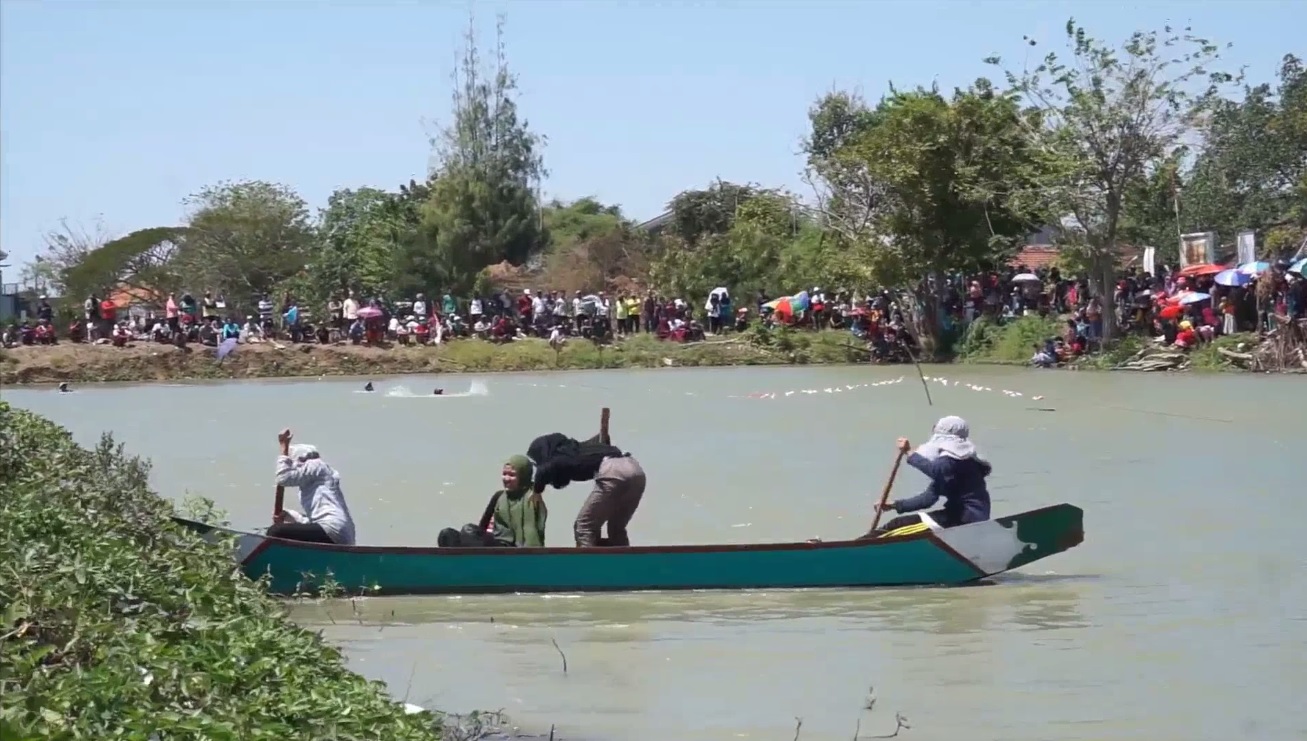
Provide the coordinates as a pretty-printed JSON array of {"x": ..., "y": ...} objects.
[
  {"x": 1247, "y": 246},
  {"x": 1198, "y": 248}
]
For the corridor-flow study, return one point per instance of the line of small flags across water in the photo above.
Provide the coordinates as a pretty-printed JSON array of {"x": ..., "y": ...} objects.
[{"x": 848, "y": 387}]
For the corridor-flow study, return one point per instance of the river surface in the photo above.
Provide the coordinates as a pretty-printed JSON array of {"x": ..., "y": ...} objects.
[{"x": 1182, "y": 616}]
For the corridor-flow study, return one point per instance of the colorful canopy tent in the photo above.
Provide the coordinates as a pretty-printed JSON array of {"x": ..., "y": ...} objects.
[
  {"x": 786, "y": 307},
  {"x": 1196, "y": 271}
]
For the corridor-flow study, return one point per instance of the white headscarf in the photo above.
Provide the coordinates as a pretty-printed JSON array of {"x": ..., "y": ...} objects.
[
  {"x": 951, "y": 439},
  {"x": 301, "y": 452}
]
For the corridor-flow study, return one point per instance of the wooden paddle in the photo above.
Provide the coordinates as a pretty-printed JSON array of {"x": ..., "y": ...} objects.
[
  {"x": 603, "y": 427},
  {"x": 279, "y": 496},
  {"x": 884, "y": 496}
]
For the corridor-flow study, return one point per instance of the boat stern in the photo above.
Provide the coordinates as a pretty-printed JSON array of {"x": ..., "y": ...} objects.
[{"x": 1007, "y": 543}]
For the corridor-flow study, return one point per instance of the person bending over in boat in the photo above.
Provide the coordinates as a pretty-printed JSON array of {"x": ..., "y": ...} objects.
[
  {"x": 619, "y": 483},
  {"x": 957, "y": 474},
  {"x": 326, "y": 517},
  {"x": 512, "y": 518}
]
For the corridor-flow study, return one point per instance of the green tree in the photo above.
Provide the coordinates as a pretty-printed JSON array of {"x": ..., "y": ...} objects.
[
  {"x": 730, "y": 235},
  {"x": 1252, "y": 170},
  {"x": 845, "y": 195},
  {"x": 697, "y": 214},
  {"x": 571, "y": 223},
  {"x": 244, "y": 239},
  {"x": 1108, "y": 119},
  {"x": 140, "y": 261},
  {"x": 944, "y": 172},
  {"x": 360, "y": 233},
  {"x": 483, "y": 207}
]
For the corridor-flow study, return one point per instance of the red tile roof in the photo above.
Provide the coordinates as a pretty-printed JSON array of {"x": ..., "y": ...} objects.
[{"x": 1035, "y": 256}]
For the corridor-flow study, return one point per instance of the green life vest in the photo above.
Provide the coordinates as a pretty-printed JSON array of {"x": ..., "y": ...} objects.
[{"x": 525, "y": 520}]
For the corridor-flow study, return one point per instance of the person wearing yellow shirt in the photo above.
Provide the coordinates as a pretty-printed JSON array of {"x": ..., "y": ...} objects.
[
  {"x": 621, "y": 311},
  {"x": 633, "y": 314}
]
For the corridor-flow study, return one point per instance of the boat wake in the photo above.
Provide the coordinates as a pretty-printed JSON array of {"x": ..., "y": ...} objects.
[{"x": 476, "y": 388}]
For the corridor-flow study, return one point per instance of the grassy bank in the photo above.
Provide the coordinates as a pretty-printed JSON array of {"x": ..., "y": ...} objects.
[
  {"x": 1013, "y": 344},
  {"x": 119, "y": 625},
  {"x": 152, "y": 362}
]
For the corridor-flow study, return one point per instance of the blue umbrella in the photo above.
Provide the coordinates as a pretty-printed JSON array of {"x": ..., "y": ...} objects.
[
  {"x": 228, "y": 345},
  {"x": 1299, "y": 267},
  {"x": 1193, "y": 297},
  {"x": 1233, "y": 278},
  {"x": 1254, "y": 268}
]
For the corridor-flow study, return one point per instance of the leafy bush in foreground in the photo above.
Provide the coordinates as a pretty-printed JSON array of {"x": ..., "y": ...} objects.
[{"x": 118, "y": 624}]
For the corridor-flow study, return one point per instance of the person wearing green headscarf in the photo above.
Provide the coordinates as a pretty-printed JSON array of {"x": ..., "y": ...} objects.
[{"x": 511, "y": 512}]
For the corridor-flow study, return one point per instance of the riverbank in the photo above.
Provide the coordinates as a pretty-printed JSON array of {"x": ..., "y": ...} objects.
[
  {"x": 1284, "y": 351},
  {"x": 148, "y": 362},
  {"x": 983, "y": 344},
  {"x": 120, "y": 624}
]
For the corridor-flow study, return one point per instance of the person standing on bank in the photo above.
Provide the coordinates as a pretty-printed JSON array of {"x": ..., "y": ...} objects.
[
  {"x": 957, "y": 474},
  {"x": 326, "y": 517},
  {"x": 619, "y": 484}
]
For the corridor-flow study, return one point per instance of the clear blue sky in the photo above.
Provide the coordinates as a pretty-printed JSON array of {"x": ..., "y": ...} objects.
[{"x": 120, "y": 109}]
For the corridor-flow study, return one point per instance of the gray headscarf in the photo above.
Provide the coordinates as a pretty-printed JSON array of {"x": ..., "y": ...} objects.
[
  {"x": 950, "y": 438},
  {"x": 301, "y": 452}
]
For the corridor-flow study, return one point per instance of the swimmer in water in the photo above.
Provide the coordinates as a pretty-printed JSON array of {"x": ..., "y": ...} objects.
[
  {"x": 368, "y": 386},
  {"x": 438, "y": 392},
  {"x": 63, "y": 388}
]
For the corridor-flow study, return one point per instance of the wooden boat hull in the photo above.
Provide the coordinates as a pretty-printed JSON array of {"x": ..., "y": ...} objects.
[{"x": 944, "y": 557}]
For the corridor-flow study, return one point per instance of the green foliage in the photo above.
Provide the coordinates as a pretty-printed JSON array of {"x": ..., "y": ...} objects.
[
  {"x": 943, "y": 168},
  {"x": 244, "y": 238},
  {"x": 570, "y": 224},
  {"x": 141, "y": 261},
  {"x": 986, "y": 341},
  {"x": 119, "y": 624},
  {"x": 1252, "y": 171},
  {"x": 745, "y": 238},
  {"x": 1107, "y": 119},
  {"x": 1207, "y": 356},
  {"x": 711, "y": 212},
  {"x": 483, "y": 207}
]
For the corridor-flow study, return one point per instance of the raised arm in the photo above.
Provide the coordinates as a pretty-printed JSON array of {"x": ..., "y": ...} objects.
[{"x": 288, "y": 474}]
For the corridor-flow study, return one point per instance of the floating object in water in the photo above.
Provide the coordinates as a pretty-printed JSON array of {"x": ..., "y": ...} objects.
[
  {"x": 438, "y": 392},
  {"x": 956, "y": 555},
  {"x": 368, "y": 386},
  {"x": 64, "y": 389}
]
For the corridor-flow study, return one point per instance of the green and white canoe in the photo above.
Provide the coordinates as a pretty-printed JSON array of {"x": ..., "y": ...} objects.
[{"x": 952, "y": 556}]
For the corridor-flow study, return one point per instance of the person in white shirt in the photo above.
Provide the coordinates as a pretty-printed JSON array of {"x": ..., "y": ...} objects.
[
  {"x": 251, "y": 332},
  {"x": 326, "y": 517},
  {"x": 350, "y": 308}
]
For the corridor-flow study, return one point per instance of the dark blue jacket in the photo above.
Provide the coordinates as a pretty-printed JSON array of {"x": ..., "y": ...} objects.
[{"x": 960, "y": 483}]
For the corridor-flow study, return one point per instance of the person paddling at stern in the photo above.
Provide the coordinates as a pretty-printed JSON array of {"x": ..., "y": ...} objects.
[
  {"x": 619, "y": 484},
  {"x": 326, "y": 517},
  {"x": 957, "y": 474}
]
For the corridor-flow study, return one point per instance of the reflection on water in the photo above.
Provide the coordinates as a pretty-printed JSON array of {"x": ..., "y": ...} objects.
[{"x": 950, "y": 611}]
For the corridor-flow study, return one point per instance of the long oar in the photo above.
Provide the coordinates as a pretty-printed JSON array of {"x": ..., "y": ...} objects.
[
  {"x": 603, "y": 427},
  {"x": 279, "y": 495},
  {"x": 884, "y": 496},
  {"x": 277, "y": 499}
]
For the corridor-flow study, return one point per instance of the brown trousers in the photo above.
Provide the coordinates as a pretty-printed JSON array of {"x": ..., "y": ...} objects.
[{"x": 618, "y": 488}]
